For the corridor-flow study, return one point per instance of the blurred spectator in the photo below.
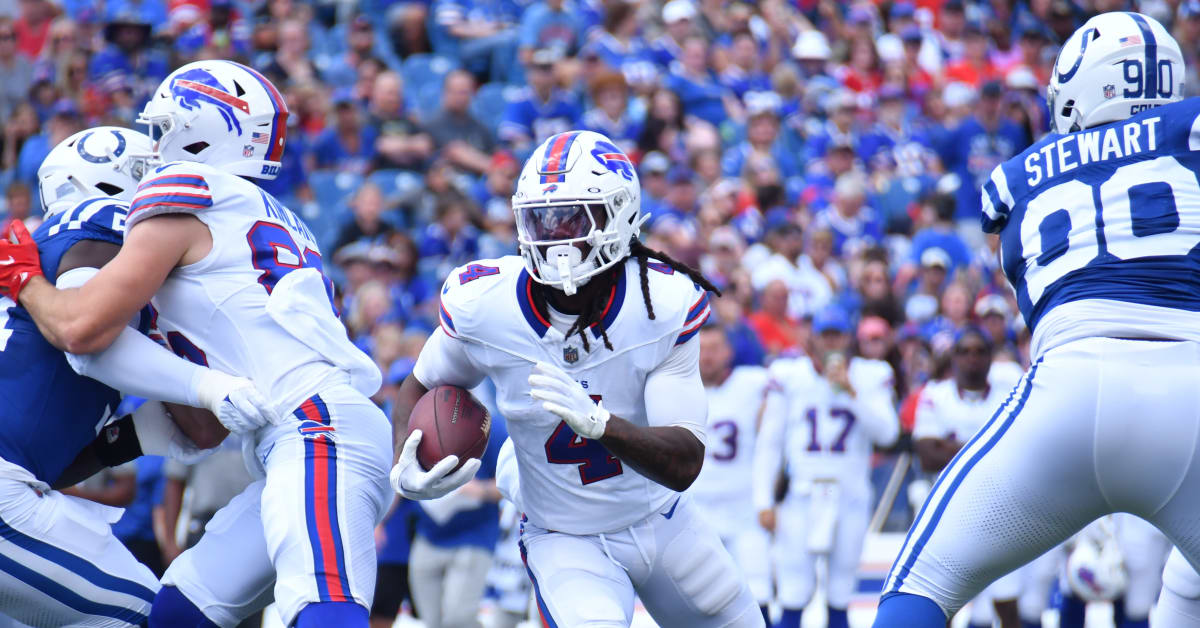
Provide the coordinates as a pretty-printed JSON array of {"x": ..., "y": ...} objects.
[
  {"x": 410, "y": 293},
  {"x": 610, "y": 115},
  {"x": 777, "y": 330},
  {"x": 744, "y": 72},
  {"x": 391, "y": 579},
  {"x": 480, "y": 33},
  {"x": 762, "y": 140},
  {"x": 457, "y": 135},
  {"x": 127, "y": 56},
  {"x": 938, "y": 213},
  {"x": 291, "y": 62},
  {"x": 451, "y": 239},
  {"x": 678, "y": 17},
  {"x": 699, "y": 92},
  {"x": 493, "y": 195},
  {"x": 976, "y": 67},
  {"x": 346, "y": 145},
  {"x": 617, "y": 43},
  {"x": 980, "y": 143},
  {"x": 65, "y": 120},
  {"x": 922, "y": 304},
  {"x": 15, "y": 70},
  {"x": 549, "y": 24},
  {"x": 32, "y": 26},
  {"x": 542, "y": 110},
  {"x": 808, "y": 290},
  {"x": 367, "y": 222},
  {"x": 854, "y": 225},
  {"x": 400, "y": 142},
  {"x": 341, "y": 70}
]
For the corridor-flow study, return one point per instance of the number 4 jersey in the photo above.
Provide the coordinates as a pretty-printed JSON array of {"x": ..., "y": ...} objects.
[
  {"x": 491, "y": 327},
  {"x": 1100, "y": 229},
  {"x": 242, "y": 309}
]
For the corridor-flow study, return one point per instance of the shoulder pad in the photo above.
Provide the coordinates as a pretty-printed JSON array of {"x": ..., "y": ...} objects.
[
  {"x": 676, "y": 298},
  {"x": 177, "y": 187},
  {"x": 470, "y": 288}
]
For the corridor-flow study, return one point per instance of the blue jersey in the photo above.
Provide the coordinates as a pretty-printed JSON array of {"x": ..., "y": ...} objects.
[
  {"x": 1107, "y": 214},
  {"x": 49, "y": 412}
]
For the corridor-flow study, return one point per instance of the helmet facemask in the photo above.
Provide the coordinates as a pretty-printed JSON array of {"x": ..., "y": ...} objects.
[{"x": 567, "y": 242}]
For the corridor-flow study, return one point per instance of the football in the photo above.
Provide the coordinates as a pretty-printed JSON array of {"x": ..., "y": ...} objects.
[{"x": 452, "y": 422}]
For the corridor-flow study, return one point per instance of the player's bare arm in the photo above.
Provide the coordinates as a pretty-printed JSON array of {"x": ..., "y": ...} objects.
[
  {"x": 89, "y": 318},
  {"x": 410, "y": 392},
  {"x": 671, "y": 456}
]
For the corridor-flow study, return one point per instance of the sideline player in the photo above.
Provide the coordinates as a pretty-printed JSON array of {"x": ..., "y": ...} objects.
[
  {"x": 235, "y": 278},
  {"x": 592, "y": 346},
  {"x": 1098, "y": 225},
  {"x": 59, "y": 561},
  {"x": 736, "y": 396},
  {"x": 823, "y": 418},
  {"x": 949, "y": 412}
]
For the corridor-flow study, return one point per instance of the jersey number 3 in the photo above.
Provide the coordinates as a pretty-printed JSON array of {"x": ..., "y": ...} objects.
[{"x": 595, "y": 462}]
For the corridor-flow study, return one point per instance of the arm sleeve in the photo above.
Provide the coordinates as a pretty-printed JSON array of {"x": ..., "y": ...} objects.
[
  {"x": 674, "y": 392},
  {"x": 768, "y": 448},
  {"x": 875, "y": 409},
  {"x": 134, "y": 364},
  {"x": 446, "y": 361}
]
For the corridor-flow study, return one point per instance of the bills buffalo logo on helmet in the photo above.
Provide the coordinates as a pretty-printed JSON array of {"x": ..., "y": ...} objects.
[
  {"x": 198, "y": 87},
  {"x": 613, "y": 159}
]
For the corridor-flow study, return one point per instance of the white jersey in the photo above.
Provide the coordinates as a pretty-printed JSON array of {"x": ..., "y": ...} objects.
[
  {"x": 242, "y": 309},
  {"x": 491, "y": 327},
  {"x": 822, "y": 433},
  {"x": 943, "y": 411},
  {"x": 734, "y": 409}
]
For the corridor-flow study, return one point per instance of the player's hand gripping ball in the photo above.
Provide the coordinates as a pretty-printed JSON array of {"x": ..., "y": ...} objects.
[{"x": 446, "y": 425}]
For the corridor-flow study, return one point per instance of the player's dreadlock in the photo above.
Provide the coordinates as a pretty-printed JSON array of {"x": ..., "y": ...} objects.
[{"x": 593, "y": 311}]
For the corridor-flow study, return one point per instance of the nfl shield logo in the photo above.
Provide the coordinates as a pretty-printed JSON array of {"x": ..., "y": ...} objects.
[
  {"x": 1110, "y": 91},
  {"x": 570, "y": 355},
  {"x": 247, "y": 150}
]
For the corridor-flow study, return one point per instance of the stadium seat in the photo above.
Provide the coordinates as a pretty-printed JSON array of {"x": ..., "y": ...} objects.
[
  {"x": 490, "y": 102},
  {"x": 332, "y": 192},
  {"x": 425, "y": 69}
]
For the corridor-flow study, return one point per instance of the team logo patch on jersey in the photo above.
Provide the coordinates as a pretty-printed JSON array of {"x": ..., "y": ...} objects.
[
  {"x": 613, "y": 159},
  {"x": 570, "y": 355},
  {"x": 198, "y": 87},
  {"x": 1110, "y": 91}
]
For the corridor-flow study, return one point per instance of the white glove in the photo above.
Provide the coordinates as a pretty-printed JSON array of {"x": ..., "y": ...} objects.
[
  {"x": 236, "y": 402},
  {"x": 410, "y": 481},
  {"x": 564, "y": 397},
  {"x": 159, "y": 435}
]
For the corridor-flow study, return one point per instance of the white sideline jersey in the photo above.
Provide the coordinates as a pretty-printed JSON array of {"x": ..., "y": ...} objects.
[
  {"x": 944, "y": 412},
  {"x": 822, "y": 433},
  {"x": 490, "y": 327},
  {"x": 734, "y": 409},
  {"x": 239, "y": 309}
]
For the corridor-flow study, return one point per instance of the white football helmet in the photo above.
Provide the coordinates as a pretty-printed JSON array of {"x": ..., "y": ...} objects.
[
  {"x": 578, "y": 209},
  {"x": 220, "y": 113},
  {"x": 1095, "y": 567},
  {"x": 102, "y": 161},
  {"x": 1116, "y": 65}
]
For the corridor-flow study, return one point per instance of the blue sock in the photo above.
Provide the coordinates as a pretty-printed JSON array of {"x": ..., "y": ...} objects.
[
  {"x": 837, "y": 618},
  {"x": 1031, "y": 624},
  {"x": 1071, "y": 612},
  {"x": 979, "y": 626},
  {"x": 790, "y": 618},
  {"x": 766, "y": 612},
  {"x": 1119, "y": 616},
  {"x": 322, "y": 614},
  {"x": 172, "y": 610},
  {"x": 905, "y": 610}
]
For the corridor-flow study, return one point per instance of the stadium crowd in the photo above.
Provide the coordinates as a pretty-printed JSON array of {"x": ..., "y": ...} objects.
[{"x": 810, "y": 156}]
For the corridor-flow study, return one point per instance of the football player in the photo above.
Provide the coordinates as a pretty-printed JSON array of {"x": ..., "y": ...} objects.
[
  {"x": 59, "y": 561},
  {"x": 590, "y": 338},
  {"x": 736, "y": 396},
  {"x": 1099, "y": 223},
  {"x": 236, "y": 280},
  {"x": 824, "y": 416}
]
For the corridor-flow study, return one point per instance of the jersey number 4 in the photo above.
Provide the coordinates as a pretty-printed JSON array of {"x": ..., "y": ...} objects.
[
  {"x": 276, "y": 254},
  {"x": 595, "y": 462}
]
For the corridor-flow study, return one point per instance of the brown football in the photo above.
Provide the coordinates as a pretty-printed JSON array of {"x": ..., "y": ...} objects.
[{"x": 452, "y": 422}]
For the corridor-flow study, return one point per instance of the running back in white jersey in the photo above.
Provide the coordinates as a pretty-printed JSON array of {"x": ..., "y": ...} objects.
[
  {"x": 225, "y": 311},
  {"x": 734, "y": 411},
  {"x": 823, "y": 433},
  {"x": 1100, "y": 229},
  {"x": 490, "y": 327}
]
